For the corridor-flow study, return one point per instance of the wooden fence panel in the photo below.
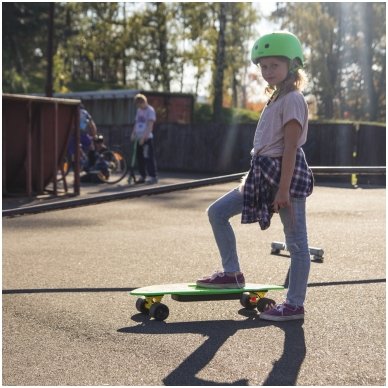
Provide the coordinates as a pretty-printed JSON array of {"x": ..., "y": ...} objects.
[
  {"x": 222, "y": 149},
  {"x": 371, "y": 151},
  {"x": 36, "y": 131}
]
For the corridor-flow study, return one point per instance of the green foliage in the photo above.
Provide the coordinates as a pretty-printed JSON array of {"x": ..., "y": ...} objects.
[
  {"x": 154, "y": 46},
  {"x": 203, "y": 113},
  {"x": 24, "y": 44},
  {"x": 346, "y": 50},
  {"x": 84, "y": 86}
]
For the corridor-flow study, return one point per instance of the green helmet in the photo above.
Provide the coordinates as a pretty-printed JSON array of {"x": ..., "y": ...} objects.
[{"x": 277, "y": 44}]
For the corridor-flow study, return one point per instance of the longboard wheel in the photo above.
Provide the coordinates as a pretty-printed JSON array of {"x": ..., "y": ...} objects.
[
  {"x": 141, "y": 306},
  {"x": 159, "y": 311},
  {"x": 246, "y": 302},
  {"x": 265, "y": 304}
]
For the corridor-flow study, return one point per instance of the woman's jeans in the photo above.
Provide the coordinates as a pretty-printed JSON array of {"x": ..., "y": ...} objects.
[{"x": 294, "y": 225}]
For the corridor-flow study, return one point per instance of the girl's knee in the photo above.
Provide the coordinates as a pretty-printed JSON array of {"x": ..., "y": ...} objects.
[
  {"x": 296, "y": 247},
  {"x": 213, "y": 212},
  {"x": 299, "y": 249},
  {"x": 216, "y": 213},
  {"x": 225, "y": 207}
]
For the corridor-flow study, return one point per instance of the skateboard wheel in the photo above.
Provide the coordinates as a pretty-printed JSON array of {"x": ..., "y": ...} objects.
[
  {"x": 245, "y": 301},
  {"x": 265, "y": 304},
  {"x": 141, "y": 306},
  {"x": 159, "y": 311}
]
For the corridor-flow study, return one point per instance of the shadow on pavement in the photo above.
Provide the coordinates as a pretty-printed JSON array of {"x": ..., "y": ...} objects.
[
  {"x": 284, "y": 372},
  {"x": 124, "y": 289}
]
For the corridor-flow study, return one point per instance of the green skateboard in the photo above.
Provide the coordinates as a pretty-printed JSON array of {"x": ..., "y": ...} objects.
[{"x": 251, "y": 296}]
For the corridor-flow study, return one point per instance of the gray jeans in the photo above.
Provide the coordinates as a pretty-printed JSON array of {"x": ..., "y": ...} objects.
[{"x": 294, "y": 225}]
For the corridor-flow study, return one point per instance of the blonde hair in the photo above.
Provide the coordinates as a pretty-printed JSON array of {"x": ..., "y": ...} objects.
[
  {"x": 140, "y": 97},
  {"x": 296, "y": 79}
]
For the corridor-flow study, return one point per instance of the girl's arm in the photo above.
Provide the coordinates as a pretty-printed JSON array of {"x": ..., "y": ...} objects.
[{"x": 292, "y": 131}]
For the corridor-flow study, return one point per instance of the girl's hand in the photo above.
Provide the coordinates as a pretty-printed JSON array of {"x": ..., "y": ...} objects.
[{"x": 282, "y": 200}]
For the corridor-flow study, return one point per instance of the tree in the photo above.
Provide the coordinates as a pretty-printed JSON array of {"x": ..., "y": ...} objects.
[
  {"x": 219, "y": 63},
  {"x": 197, "y": 38},
  {"x": 202, "y": 35},
  {"x": 24, "y": 45},
  {"x": 369, "y": 53},
  {"x": 50, "y": 39},
  {"x": 159, "y": 45},
  {"x": 345, "y": 46},
  {"x": 156, "y": 45},
  {"x": 240, "y": 36},
  {"x": 140, "y": 45}
]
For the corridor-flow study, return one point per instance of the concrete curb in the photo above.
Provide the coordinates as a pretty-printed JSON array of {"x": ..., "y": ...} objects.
[{"x": 91, "y": 200}]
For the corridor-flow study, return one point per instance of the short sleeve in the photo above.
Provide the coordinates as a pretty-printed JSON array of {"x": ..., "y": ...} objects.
[
  {"x": 294, "y": 108},
  {"x": 151, "y": 115}
]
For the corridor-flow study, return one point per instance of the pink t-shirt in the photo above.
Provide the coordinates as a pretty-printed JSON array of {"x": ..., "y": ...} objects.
[{"x": 269, "y": 135}]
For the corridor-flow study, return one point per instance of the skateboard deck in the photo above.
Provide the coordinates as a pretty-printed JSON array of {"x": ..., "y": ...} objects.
[{"x": 251, "y": 296}]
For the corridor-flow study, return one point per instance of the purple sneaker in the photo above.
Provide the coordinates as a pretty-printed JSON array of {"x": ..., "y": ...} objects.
[
  {"x": 283, "y": 312},
  {"x": 222, "y": 280}
]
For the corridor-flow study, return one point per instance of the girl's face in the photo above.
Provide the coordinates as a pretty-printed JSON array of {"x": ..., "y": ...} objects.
[
  {"x": 140, "y": 104},
  {"x": 274, "y": 70}
]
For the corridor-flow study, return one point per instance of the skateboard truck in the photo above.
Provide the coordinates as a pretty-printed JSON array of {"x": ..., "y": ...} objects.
[
  {"x": 316, "y": 253},
  {"x": 153, "y": 307}
]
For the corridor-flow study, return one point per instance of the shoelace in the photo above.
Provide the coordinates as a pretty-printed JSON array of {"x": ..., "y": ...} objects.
[
  {"x": 217, "y": 273},
  {"x": 221, "y": 274},
  {"x": 239, "y": 285},
  {"x": 280, "y": 307}
]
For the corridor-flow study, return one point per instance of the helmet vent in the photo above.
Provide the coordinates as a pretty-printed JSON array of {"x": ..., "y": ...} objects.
[{"x": 266, "y": 45}]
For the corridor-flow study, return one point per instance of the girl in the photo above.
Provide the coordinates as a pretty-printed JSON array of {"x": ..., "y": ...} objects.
[{"x": 279, "y": 179}]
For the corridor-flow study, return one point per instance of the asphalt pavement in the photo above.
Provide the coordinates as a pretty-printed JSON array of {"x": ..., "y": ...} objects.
[{"x": 68, "y": 318}]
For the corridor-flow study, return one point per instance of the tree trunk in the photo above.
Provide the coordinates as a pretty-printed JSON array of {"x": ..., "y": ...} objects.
[
  {"x": 49, "y": 74},
  {"x": 234, "y": 91},
  {"x": 163, "y": 53},
  {"x": 220, "y": 66},
  {"x": 371, "y": 106}
]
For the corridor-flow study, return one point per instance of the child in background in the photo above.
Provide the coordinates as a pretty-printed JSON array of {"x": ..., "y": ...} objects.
[
  {"x": 279, "y": 179},
  {"x": 142, "y": 133}
]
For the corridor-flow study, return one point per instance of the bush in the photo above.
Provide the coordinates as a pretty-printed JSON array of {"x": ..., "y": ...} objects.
[{"x": 203, "y": 114}]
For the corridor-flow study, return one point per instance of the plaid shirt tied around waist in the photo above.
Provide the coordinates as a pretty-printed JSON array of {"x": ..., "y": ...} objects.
[{"x": 262, "y": 182}]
